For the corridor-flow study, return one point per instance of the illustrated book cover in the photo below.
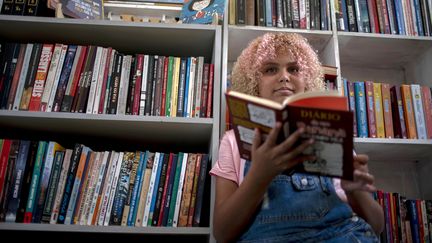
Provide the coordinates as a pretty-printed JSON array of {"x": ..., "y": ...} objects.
[
  {"x": 202, "y": 11},
  {"x": 323, "y": 114}
]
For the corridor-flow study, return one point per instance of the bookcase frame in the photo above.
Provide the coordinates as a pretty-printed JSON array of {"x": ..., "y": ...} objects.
[{"x": 120, "y": 132}]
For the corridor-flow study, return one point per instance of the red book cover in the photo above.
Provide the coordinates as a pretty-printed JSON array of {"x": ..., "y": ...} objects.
[
  {"x": 210, "y": 91},
  {"x": 165, "y": 189},
  {"x": 4, "y": 155},
  {"x": 388, "y": 120},
  {"x": 324, "y": 116},
  {"x": 164, "y": 86},
  {"x": 397, "y": 112},
  {"x": 16, "y": 77},
  {"x": 41, "y": 74},
  {"x": 137, "y": 91}
]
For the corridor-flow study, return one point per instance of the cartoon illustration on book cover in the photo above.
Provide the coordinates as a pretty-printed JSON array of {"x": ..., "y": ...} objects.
[{"x": 202, "y": 11}]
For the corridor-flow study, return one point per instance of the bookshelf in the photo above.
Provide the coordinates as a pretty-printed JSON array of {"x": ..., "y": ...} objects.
[
  {"x": 118, "y": 132},
  {"x": 399, "y": 165}
]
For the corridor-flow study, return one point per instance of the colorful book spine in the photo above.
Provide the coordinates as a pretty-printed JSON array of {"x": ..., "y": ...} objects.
[{"x": 361, "y": 110}]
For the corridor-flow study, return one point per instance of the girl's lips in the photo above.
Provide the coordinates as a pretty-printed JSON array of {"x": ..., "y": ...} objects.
[{"x": 284, "y": 91}]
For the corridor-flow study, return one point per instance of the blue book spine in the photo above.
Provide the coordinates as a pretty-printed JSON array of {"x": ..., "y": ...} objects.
[
  {"x": 155, "y": 190},
  {"x": 399, "y": 17},
  {"x": 268, "y": 13},
  {"x": 136, "y": 189},
  {"x": 413, "y": 217},
  {"x": 362, "y": 126},
  {"x": 418, "y": 15},
  {"x": 344, "y": 15}
]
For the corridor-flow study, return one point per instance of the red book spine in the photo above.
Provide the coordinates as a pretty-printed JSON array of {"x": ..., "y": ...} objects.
[
  {"x": 370, "y": 105},
  {"x": 210, "y": 91},
  {"x": 137, "y": 91},
  {"x": 164, "y": 86},
  {"x": 164, "y": 195},
  {"x": 41, "y": 74}
]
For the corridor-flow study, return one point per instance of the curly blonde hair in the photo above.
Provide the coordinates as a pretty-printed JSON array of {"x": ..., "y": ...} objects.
[{"x": 246, "y": 75}]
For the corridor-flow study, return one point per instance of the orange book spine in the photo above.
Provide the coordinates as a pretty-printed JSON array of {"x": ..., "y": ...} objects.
[
  {"x": 187, "y": 191},
  {"x": 427, "y": 107},
  {"x": 408, "y": 111},
  {"x": 388, "y": 120}
]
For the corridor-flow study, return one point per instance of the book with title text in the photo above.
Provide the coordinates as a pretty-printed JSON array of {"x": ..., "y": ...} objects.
[{"x": 324, "y": 115}]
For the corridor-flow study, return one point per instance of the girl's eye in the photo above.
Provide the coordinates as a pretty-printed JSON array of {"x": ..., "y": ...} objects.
[
  {"x": 270, "y": 70},
  {"x": 293, "y": 69}
]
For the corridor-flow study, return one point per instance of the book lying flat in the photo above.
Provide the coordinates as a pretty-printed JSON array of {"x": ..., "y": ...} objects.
[{"x": 324, "y": 115}]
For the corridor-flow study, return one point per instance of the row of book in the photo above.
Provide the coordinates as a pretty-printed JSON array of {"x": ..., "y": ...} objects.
[
  {"x": 406, "y": 220},
  {"x": 42, "y": 182},
  {"x": 26, "y": 7},
  {"x": 382, "y": 110},
  {"x": 399, "y": 17},
  {"x": 299, "y": 14},
  {"x": 99, "y": 80}
]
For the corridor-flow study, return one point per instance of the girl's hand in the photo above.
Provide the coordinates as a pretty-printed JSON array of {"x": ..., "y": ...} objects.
[
  {"x": 270, "y": 159},
  {"x": 363, "y": 181}
]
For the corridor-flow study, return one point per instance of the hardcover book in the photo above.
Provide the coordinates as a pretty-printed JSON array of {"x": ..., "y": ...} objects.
[{"x": 323, "y": 114}]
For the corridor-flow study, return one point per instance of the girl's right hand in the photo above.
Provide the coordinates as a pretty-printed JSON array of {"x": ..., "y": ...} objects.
[{"x": 270, "y": 159}]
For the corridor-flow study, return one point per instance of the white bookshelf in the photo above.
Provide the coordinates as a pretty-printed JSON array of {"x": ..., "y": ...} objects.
[{"x": 119, "y": 131}]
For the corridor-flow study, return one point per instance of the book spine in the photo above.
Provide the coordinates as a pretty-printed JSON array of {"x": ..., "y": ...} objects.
[
  {"x": 388, "y": 120},
  {"x": 41, "y": 74}
]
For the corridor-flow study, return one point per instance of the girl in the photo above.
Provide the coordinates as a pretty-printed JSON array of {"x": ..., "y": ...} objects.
[{"x": 255, "y": 202}]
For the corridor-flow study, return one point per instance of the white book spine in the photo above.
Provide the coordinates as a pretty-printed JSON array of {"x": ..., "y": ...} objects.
[
  {"x": 107, "y": 187},
  {"x": 143, "y": 94},
  {"x": 418, "y": 111},
  {"x": 150, "y": 189},
  {"x": 113, "y": 189},
  {"x": 94, "y": 80},
  {"x": 56, "y": 78},
  {"x": 23, "y": 75},
  {"x": 124, "y": 84},
  {"x": 51, "y": 76},
  {"x": 180, "y": 190},
  {"x": 190, "y": 97},
  {"x": 98, "y": 187},
  {"x": 100, "y": 80}
]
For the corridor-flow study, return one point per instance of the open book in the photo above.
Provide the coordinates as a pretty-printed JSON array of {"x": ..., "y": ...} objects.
[{"x": 324, "y": 115}]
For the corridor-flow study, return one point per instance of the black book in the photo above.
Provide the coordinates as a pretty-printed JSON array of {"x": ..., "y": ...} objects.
[
  {"x": 31, "y": 157},
  {"x": 149, "y": 86},
  {"x": 7, "y": 7},
  {"x": 160, "y": 190},
  {"x": 18, "y": 7},
  {"x": 8, "y": 73}
]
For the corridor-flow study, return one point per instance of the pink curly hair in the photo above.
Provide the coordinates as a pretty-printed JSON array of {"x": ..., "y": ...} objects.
[{"x": 246, "y": 75}]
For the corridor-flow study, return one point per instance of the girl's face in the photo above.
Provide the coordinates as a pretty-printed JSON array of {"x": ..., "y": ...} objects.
[{"x": 280, "y": 78}]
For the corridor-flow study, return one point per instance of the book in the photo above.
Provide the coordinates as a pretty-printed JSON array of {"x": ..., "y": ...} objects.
[
  {"x": 79, "y": 9},
  {"x": 202, "y": 11},
  {"x": 323, "y": 114}
]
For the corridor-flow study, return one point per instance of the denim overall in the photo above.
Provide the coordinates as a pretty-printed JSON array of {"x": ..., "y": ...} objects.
[{"x": 305, "y": 208}]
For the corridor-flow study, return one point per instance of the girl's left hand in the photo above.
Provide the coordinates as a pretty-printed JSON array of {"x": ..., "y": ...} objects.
[{"x": 363, "y": 181}]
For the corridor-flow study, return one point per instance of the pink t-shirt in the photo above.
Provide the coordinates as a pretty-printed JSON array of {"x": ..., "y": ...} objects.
[{"x": 230, "y": 166}]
